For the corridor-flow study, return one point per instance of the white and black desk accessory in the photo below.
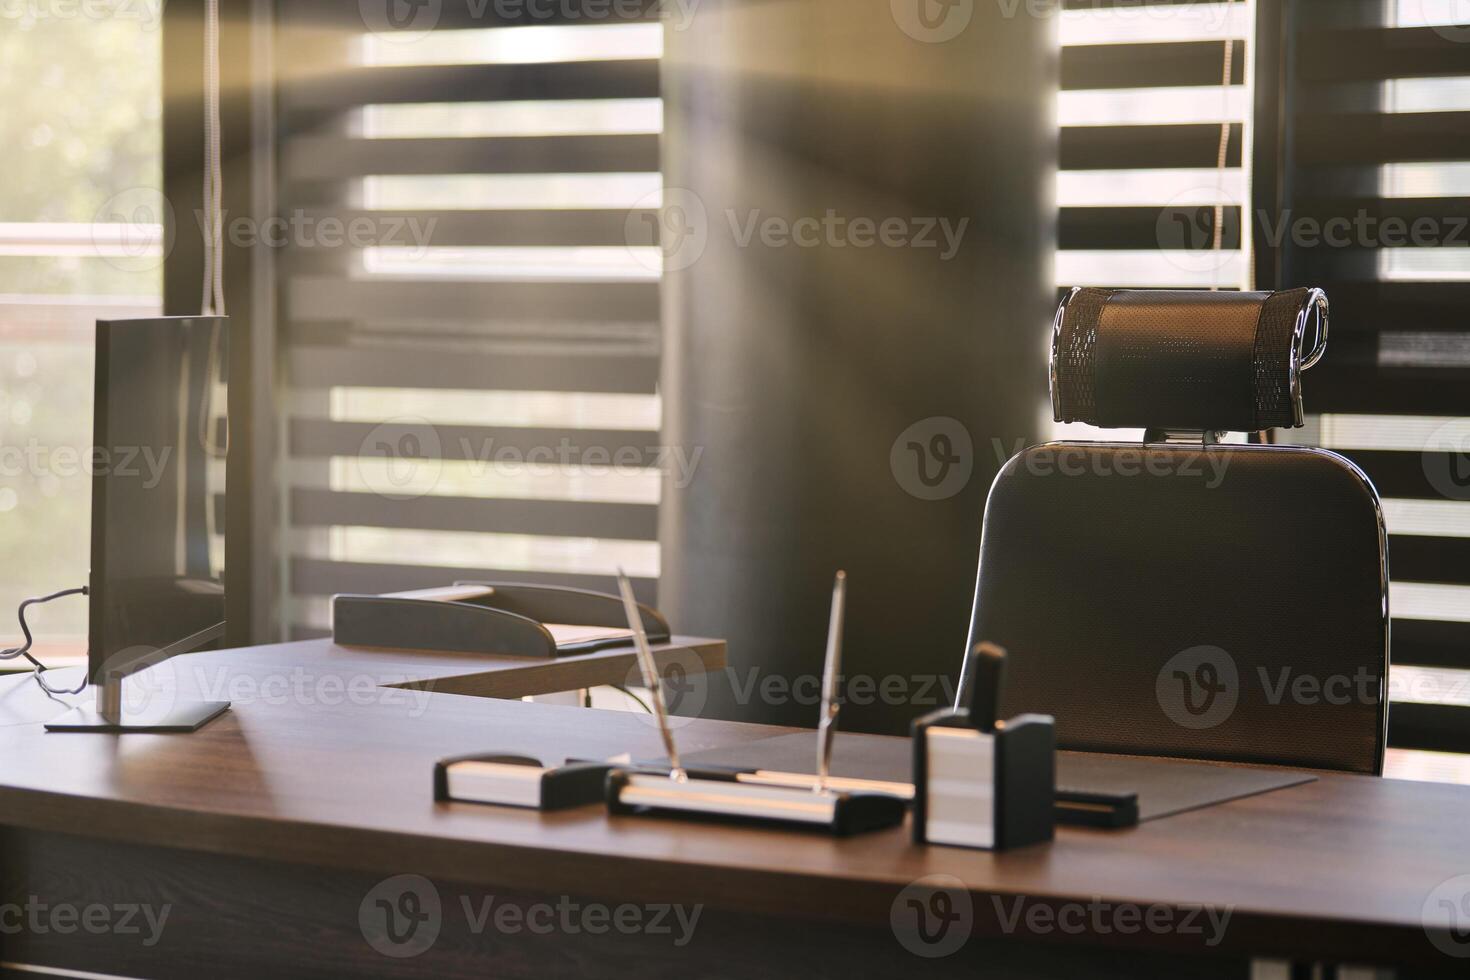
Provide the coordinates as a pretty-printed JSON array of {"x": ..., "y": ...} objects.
[
  {"x": 980, "y": 782},
  {"x": 518, "y": 781},
  {"x": 737, "y": 796}
]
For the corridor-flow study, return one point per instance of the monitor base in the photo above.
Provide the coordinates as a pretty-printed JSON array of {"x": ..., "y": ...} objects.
[{"x": 188, "y": 717}]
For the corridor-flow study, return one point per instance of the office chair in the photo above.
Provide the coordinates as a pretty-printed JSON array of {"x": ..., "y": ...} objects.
[{"x": 1179, "y": 597}]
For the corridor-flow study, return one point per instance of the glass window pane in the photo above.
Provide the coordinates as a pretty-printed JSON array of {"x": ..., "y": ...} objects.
[{"x": 80, "y": 239}]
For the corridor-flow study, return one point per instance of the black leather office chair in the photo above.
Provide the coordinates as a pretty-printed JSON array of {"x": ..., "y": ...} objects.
[{"x": 1181, "y": 597}]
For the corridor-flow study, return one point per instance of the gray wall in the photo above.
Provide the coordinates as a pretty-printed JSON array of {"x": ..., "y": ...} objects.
[{"x": 801, "y": 371}]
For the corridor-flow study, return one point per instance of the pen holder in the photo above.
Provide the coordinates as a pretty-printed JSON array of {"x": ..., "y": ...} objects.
[{"x": 986, "y": 790}]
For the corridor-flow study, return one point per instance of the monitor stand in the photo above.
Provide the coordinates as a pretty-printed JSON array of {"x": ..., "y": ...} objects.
[{"x": 110, "y": 717}]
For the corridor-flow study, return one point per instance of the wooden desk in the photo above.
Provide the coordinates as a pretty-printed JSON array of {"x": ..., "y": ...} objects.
[{"x": 270, "y": 832}]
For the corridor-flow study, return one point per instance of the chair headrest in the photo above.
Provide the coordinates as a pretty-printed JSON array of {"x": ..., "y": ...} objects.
[{"x": 1185, "y": 359}]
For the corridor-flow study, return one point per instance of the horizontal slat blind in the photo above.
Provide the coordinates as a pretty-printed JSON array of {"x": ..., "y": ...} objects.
[
  {"x": 1379, "y": 99},
  {"x": 1141, "y": 111},
  {"x": 1370, "y": 203},
  {"x": 473, "y": 373}
]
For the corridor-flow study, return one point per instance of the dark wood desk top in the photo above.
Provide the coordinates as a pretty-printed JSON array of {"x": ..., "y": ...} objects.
[{"x": 1341, "y": 868}]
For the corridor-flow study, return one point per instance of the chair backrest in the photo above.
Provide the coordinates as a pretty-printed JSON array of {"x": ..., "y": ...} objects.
[{"x": 1179, "y": 597}]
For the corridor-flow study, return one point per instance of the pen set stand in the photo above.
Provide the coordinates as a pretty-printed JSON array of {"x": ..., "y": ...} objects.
[
  {"x": 746, "y": 796},
  {"x": 730, "y": 797},
  {"x": 488, "y": 618}
]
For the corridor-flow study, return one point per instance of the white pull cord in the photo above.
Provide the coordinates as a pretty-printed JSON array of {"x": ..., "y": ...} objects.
[
  {"x": 213, "y": 303},
  {"x": 1224, "y": 151}
]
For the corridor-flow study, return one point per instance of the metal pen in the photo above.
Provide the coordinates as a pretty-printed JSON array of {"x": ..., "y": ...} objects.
[
  {"x": 650, "y": 676},
  {"x": 827, "y": 726}
]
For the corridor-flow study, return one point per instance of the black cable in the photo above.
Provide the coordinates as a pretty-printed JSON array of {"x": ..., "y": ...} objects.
[
  {"x": 642, "y": 703},
  {"x": 24, "y": 650}
]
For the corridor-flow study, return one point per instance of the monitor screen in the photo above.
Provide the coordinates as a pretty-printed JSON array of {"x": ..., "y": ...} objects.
[{"x": 160, "y": 434}]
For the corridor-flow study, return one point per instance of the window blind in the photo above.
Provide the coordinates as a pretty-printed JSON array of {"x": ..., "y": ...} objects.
[
  {"x": 1141, "y": 110},
  {"x": 1140, "y": 114},
  {"x": 472, "y": 376},
  {"x": 1366, "y": 193}
]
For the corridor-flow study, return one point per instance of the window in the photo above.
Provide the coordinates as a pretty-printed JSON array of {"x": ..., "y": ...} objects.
[
  {"x": 473, "y": 382},
  {"x": 1373, "y": 184},
  {"x": 80, "y": 239},
  {"x": 1141, "y": 112},
  {"x": 1356, "y": 139}
]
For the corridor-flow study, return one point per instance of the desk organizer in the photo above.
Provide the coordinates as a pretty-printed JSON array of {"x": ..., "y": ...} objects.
[
  {"x": 986, "y": 790},
  {"x": 490, "y": 617}
]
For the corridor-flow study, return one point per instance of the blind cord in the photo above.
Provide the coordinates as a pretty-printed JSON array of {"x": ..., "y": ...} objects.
[
  {"x": 1224, "y": 152},
  {"x": 213, "y": 303}
]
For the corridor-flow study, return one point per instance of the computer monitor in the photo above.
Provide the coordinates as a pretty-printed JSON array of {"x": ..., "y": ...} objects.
[{"x": 157, "y": 584}]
